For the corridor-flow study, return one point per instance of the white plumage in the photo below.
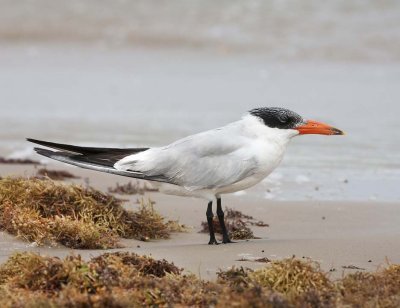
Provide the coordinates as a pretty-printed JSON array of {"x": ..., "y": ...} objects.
[{"x": 223, "y": 160}]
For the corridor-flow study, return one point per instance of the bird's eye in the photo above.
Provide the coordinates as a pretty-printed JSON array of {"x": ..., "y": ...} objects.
[{"x": 283, "y": 119}]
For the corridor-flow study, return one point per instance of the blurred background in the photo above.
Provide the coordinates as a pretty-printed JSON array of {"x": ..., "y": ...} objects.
[{"x": 144, "y": 73}]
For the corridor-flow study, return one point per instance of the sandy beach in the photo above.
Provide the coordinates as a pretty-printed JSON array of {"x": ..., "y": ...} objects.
[{"x": 336, "y": 234}]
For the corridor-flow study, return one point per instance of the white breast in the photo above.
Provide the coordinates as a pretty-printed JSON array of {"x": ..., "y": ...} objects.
[{"x": 268, "y": 155}]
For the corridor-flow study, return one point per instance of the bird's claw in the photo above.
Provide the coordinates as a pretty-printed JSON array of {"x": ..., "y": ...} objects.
[
  {"x": 213, "y": 242},
  {"x": 227, "y": 241}
]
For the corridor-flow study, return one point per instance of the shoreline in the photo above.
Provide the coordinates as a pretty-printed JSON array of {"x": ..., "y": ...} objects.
[{"x": 363, "y": 235}]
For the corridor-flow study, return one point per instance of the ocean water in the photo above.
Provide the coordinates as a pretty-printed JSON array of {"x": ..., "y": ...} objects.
[
  {"x": 355, "y": 30},
  {"x": 148, "y": 98},
  {"x": 145, "y": 73}
]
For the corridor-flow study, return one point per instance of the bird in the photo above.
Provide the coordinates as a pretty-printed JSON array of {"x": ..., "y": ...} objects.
[{"x": 205, "y": 165}]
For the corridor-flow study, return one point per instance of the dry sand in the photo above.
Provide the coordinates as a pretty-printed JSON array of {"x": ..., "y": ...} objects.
[{"x": 337, "y": 234}]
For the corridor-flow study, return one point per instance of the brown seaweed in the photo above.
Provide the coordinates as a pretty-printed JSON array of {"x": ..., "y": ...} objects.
[
  {"x": 57, "y": 175},
  {"x": 135, "y": 188},
  {"x": 128, "y": 280},
  {"x": 18, "y": 161},
  {"x": 47, "y": 212}
]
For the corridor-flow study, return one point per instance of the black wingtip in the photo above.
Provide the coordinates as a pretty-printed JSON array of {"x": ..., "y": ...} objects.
[
  {"x": 43, "y": 152},
  {"x": 36, "y": 141},
  {"x": 59, "y": 146}
]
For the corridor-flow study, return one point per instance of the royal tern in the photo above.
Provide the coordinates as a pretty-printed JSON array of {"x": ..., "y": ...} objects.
[{"x": 205, "y": 165}]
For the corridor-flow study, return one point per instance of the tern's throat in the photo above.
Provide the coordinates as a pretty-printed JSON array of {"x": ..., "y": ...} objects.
[{"x": 282, "y": 136}]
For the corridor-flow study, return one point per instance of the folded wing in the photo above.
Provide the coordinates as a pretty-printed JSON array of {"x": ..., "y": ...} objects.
[{"x": 207, "y": 160}]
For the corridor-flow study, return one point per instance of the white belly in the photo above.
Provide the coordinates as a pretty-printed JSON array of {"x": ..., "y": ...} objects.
[
  {"x": 209, "y": 194},
  {"x": 171, "y": 189},
  {"x": 268, "y": 155},
  {"x": 238, "y": 186},
  {"x": 266, "y": 164}
]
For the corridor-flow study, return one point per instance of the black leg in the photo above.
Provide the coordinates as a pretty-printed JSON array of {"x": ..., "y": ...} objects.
[
  {"x": 210, "y": 217},
  {"x": 221, "y": 218}
]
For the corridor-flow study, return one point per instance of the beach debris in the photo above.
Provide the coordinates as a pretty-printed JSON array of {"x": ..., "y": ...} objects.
[
  {"x": 233, "y": 214},
  {"x": 353, "y": 267},
  {"x": 235, "y": 276},
  {"x": 18, "y": 161},
  {"x": 237, "y": 225},
  {"x": 47, "y": 212},
  {"x": 35, "y": 272},
  {"x": 378, "y": 289},
  {"x": 292, "y": 277},
  {"x": 135, "y": 188},
  {"x": 57, "y": 175},
  {"x": 125, "y": 279},
  {"x": 145, "y": 265},
  {"x": 254, "y": 259},
  {"x": 176, "y": 226},
  {"x": 259, "y": 224}
]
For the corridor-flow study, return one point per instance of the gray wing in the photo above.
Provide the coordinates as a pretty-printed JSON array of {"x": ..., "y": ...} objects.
[{"x": 212, "y": 159}]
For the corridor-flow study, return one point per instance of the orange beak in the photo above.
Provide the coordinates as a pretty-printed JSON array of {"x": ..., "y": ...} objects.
[{"x": 314, "y": 127}]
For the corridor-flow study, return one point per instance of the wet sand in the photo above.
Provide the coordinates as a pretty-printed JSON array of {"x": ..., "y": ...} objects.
[{"x": 337, "y": 234}]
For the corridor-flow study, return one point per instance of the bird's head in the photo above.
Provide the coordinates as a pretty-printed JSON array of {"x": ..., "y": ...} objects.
[{"x": 281, "y": 118}]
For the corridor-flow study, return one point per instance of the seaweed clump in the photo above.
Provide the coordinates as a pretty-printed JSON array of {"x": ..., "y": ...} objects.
[
  {"x": 237, "y": 225},
  {"x": 296, "y": 279},
  {"x": 34, "y": 272},
  {"x": 128, "y": 280},
  {"x": 46, "y": 212},
  {"x": 112, "y": 280},
  {"x": 136, "y": 188},
  {"x": 290, "y": 277},
  {"x": 380, "y": 289},
  {"x": 57, "y": 175},
  {"x": 18, "y": 161},
  {"x": 302, "y": 283}
]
